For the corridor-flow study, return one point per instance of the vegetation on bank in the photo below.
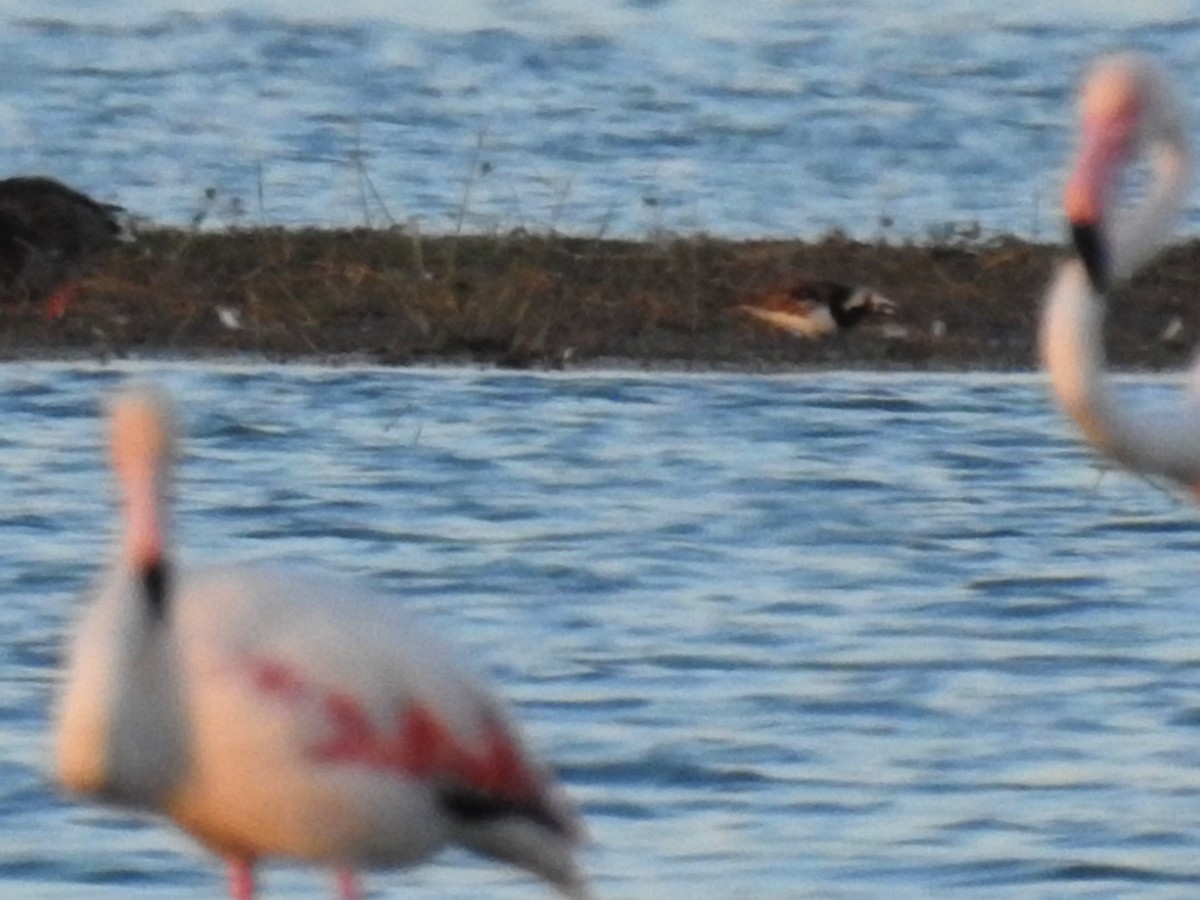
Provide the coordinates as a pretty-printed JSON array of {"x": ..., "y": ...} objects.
[{"x": 521, "y": 299}]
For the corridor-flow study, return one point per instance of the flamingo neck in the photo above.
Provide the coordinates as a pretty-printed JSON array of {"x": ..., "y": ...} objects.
[
  {"x": 1072, "y": 332},
  {"x": 144, "y": 540},
  {"x": 1072, "y": 350},
  {"x": 1153, "y": 439},
  {"x": 1135, "y": 237}
]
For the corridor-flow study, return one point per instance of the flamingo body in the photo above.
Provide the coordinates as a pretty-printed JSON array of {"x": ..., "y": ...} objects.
[{"x": 273, "y": 712}]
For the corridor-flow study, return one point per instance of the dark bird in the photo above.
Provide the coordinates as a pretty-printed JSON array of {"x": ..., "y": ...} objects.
[
  {"x": 815, "y": 309},
  {"x": 49, "y": 233}
]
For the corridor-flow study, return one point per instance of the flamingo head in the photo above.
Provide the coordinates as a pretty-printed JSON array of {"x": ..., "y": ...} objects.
[
  {"x": 1125, "y": 106},
  {"x": 141, "y": 450}
]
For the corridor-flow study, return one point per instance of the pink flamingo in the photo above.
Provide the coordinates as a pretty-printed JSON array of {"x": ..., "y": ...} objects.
[
  {"x": 1128, "y": 110},
  {"x": 272, "y": 712}
]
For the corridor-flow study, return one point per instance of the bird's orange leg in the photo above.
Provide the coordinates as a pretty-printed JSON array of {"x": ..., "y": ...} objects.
[
  {"x": 57, "y": 303},
  {"x": 241, "y": 879}
]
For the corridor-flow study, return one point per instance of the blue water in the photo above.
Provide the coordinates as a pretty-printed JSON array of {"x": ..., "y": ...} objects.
[
  {"x": 832, "y": 636},
  {"x": 899, "y": 119}
]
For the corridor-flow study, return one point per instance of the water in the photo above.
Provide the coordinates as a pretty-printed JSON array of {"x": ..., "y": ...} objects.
[
  {"x": 884, "y": 118},
  {"x": 833, "y": 635}
]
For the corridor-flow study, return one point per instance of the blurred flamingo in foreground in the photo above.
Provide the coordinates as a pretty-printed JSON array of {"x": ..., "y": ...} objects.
[
  {"x": 271, "y": 712},
  {"x": 1128, "y": 110}
]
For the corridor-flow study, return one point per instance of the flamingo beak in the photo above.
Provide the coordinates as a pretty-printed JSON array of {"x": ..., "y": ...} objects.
[
  {"x": 155, "y": 579},
  {"x": 1089, "y": 244},
  {"x": 1108, "y": 130}
]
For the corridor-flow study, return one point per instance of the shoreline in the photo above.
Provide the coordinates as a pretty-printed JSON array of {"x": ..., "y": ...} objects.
[{"x": 520, "y": 300}]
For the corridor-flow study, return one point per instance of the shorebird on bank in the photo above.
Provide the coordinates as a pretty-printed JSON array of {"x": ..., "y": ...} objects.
[
  {"x": 49, "y": 233},
  {"x": 273, "y": 713},
  {"x": 816, "y": 309}
]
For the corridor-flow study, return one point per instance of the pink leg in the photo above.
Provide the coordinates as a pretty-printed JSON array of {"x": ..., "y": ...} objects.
[
  {"x": 241, "y": 879},
  {"x": 348, "y": 886}
]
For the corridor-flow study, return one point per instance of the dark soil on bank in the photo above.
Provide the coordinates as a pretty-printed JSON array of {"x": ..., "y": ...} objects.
[{"x": 546, "y": 300}]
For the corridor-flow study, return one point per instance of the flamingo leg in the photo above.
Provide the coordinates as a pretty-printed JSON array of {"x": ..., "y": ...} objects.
[
  {"x": 348, "y": 886},
  {"x": 241, "y": 879}
]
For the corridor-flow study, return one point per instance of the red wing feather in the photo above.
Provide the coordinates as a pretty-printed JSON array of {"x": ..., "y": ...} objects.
[{"x": 417, "y": 744}]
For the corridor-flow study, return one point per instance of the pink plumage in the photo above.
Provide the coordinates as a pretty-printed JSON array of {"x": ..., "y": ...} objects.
[
  {"x": 280, "y": 713},
  {"x": 1129, "y": 111}
]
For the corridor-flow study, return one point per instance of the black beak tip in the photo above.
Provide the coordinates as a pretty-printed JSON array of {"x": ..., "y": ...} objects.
[
  {"x": 1090, "y": 247},
  {"x": 156, "y": 585}
]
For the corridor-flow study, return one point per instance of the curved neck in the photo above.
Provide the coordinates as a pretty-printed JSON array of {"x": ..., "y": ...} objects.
[
  {"x": 1155, "y": 440},
  {"x": 122, "y": 716},
  {"x": 1071, "y": 344},
  {"x": 1072, "y": 332},
  {"x": 1135, "y": 236}
]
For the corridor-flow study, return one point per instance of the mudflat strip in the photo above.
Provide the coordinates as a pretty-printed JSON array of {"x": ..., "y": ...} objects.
[{"x": 546, "y": 301}]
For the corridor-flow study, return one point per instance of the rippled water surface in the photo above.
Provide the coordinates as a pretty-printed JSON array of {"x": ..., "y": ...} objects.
[
  {"x": 893, "y": 118},
  {"x": 807, "y": 636}
]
